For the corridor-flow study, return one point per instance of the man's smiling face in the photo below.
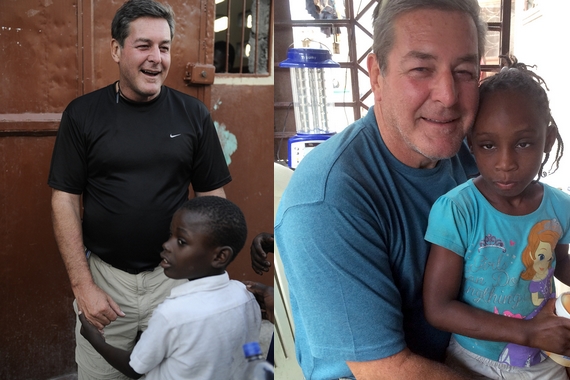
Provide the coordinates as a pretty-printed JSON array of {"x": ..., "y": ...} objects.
[{"x": 144, "y": 59}]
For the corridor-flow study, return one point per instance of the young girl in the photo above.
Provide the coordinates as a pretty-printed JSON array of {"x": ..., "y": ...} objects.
[{"x": 498, "y": 239}]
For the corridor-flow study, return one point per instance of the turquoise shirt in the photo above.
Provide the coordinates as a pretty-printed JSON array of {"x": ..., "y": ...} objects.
[{"x": 509, "y": 260}]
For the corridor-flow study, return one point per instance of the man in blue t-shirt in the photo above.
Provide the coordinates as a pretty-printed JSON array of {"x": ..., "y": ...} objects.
[
  {"x": 129, "y": 154},
  {"x": 351, "y": 222}
]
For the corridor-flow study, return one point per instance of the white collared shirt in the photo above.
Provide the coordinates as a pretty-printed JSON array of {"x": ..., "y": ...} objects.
[{"x": 198, "y": 332}]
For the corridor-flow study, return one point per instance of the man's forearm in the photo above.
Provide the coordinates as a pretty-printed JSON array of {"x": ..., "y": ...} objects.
[
  {"x": 403, "y": 365},
  {"x": 66, "y": 220}
]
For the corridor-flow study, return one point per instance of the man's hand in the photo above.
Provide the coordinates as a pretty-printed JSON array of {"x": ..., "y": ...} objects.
[
  {"x": 261, "y": 245},
  {"x": 264, "y": 296},
  {"x": 96, "y": 306}
]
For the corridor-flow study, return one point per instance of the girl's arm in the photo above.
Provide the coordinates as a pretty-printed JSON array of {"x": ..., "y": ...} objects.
[
  {"x": 562, "y": 271},
  {"x": 442, "y": 283}
]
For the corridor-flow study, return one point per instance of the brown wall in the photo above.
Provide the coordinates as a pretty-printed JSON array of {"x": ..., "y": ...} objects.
[
  {"x": 247, "y": 113},
  {"x": 35, "y": 298},
  {"x": 39, "y": 75},
  {"x": 53, "y": 51}
]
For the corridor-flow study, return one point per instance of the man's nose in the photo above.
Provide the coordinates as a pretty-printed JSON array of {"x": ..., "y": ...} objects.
[
  {"x": 154, "y": 55},
  {"x": 444, "y": 89}
]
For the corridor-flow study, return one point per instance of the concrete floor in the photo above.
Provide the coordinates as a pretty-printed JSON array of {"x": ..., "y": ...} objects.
[{"x": 264, "y": 341}]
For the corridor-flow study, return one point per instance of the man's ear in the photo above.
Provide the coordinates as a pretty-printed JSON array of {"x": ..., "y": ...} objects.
[
  {"x": 375, "y": 76},
  {"x": 222, "y": 257},
  {"x": 115, "y": 50}
]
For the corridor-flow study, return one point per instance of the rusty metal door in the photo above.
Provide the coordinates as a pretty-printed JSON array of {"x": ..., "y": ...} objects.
[{"x": 51, "y": 52}]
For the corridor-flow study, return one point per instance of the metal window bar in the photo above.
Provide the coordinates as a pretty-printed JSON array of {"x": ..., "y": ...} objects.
[
  {"x": 245, "y": 38},
  {"x": 227, "y": 63},
  {"x": 242, "y": 43}
]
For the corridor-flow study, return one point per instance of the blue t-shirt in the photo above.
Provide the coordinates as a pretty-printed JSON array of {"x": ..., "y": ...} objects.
[
  {"x": 509, "y": 260},
  {"x": 350, "y": 230}
]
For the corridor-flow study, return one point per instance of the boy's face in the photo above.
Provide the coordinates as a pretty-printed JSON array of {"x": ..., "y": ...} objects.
[{"x": 188, "y": 252}]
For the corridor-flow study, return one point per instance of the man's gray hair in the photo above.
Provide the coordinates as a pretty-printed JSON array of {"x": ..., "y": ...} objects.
[{"x": 387, "y": 11}]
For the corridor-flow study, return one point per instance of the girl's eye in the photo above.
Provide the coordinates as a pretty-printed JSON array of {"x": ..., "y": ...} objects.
[
  {"x": 487, "y": 146},
  {"x": 181, "y": 242},
  {"x": 541, "y": 257}
]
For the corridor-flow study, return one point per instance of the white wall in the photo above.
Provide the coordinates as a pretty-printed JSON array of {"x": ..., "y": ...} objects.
[{"x": 541, "y": 38}]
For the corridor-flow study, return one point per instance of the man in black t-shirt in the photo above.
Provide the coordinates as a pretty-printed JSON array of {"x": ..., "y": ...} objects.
[{"x": 131, "y": 150}]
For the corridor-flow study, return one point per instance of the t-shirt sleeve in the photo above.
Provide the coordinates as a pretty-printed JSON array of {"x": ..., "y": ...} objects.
[
  {"x": 561, "y": 202},
  {"x": 341, "y": 284},
  {"x": 68, "y": 170},
  {"x": 153, "y": 345},
  {"x": 210, "y": 168},
  {"x": 447, "y": 226}
]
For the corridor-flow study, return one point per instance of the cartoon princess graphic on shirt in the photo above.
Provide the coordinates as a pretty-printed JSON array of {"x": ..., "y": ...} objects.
[{"x": 537, "y": 258}]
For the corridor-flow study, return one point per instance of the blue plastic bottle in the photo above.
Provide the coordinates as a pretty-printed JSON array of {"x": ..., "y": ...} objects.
[{"x": 257, "y": 367}]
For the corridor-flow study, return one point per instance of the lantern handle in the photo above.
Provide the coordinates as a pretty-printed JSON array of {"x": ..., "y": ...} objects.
[{"x": 308, "y": 40}]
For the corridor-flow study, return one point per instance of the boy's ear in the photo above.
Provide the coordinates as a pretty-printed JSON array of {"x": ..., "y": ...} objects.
[{"x": 222, "y": 257}]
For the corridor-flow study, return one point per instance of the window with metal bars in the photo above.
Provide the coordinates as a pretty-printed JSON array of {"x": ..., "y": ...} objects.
[{"x": 242, "y": 37}]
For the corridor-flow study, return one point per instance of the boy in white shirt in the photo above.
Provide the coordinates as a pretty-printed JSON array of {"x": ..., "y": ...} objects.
[{"x": 199, "y": 330}]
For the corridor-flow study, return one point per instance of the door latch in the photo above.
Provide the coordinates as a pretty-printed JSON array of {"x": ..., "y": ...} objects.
[{"x": 199, "y": 73}]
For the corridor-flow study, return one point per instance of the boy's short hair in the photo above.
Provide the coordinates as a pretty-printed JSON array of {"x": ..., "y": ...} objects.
[
  {"x": 134, "y": 9},
  {"x": 226, "y": 221}
]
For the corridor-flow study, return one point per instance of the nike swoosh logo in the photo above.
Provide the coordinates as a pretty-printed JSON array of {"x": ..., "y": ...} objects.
[{"x": 173, "y": 136}]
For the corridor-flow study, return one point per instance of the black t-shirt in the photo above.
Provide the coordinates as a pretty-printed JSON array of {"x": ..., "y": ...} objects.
[{"x": 133, "y": 163}]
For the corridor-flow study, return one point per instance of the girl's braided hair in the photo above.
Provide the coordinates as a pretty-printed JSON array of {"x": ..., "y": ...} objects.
[{"x": 517, "y": 76}]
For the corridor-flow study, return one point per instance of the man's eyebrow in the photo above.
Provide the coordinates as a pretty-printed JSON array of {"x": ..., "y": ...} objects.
[
  {"x": 415, "y": 54},
  {"x": 149, "y": 41},
  {"x": 471, "y": 58},
  {"x": 419, "y": 55}
]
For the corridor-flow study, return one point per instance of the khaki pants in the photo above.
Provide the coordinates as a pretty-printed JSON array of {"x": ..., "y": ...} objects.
[{"x": 137, "y": 296}]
